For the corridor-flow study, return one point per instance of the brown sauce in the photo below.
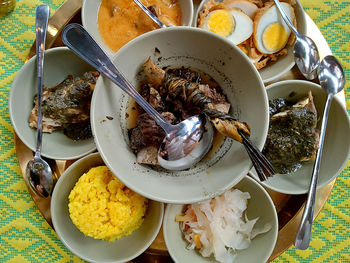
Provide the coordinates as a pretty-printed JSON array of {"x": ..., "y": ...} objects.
[{"x": 120, "y": 21}]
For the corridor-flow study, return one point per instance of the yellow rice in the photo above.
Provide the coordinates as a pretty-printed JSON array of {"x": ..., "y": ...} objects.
[{"x": 101, "y": 207}]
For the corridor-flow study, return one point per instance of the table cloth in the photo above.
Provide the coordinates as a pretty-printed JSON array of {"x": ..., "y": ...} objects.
[{"x": 24, "y": 234}]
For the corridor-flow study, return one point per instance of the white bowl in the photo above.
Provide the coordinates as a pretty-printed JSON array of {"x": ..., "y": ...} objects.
[
  {"x": 260, "y": 205},
  {"x": 94, "y": 250},
  {"x": 189, "y": 47},
  {"x": 89, "y": 16},
  {"x": 58, "y": 64},
  {"x": 336, "y": 149},
  {"x": 275, "y": 70}
]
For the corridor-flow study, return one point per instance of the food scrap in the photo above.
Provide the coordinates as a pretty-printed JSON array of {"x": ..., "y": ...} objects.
[
  {"x": 67, "y": 106},
  {"x": 220, "y": 225},
  {"x": 256, "y": 27},
  {"x": 102, "y": 207},
  {"x": 292, "y": 137}
]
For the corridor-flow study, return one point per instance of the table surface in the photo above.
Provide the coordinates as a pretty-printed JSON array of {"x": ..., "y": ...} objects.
[{"x": 24, "y": 234}]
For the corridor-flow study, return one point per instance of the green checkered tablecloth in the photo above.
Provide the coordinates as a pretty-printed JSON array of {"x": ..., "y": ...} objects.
[{"x": 24, "y": 234}]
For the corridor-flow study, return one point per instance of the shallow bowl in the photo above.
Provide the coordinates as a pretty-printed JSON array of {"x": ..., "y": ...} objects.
[
  {"x": 336, "y": 149},
  {"x": 89, "y": 17},
  {"x": 275, "y": 70},
  {"x": 176, "y": 47},
  {"x": 87, "y": 248},
  {"x": 58, "y": 64},
  {"x": 259, "y": 205}
]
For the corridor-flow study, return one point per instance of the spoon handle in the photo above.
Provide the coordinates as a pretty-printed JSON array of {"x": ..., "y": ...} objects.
[
  {"x": 303, "y": 236},
  {"x": 285, "y": 17},
  {"x": 150, "y": 14},
  {"x": 79, "y": 40},
  {"x": 42, "y": 17}
]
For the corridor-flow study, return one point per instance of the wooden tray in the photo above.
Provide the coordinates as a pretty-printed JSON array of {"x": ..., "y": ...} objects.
[{"x": 289, "y": 207}]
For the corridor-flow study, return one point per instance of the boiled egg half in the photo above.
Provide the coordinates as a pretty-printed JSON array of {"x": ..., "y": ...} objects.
[
  {"x": 271, "y": 33},
  {"x": 232, "y": 24}
]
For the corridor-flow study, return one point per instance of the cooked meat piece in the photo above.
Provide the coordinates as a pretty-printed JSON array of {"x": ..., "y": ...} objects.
[
  {"x": 154, "y": 74},
  {"x": 67, "y": 103},
  {"x": 147, "y": 155},
  {"x": 292, "y": 137},
  {"x": 147, "y": 131},
  {"x": 185, "y": 73},
  {"x": 155, "y": 99}
]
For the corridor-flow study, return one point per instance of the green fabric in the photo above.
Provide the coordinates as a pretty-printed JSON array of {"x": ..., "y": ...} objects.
[{"x": 26, "y": 237}]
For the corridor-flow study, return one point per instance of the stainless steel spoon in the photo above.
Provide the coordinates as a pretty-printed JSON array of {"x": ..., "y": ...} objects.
[
  {"x": 150, "y": 14},
  {"x": 332, "y": 79},
  {"x": 305, "y": 51},
  {"x": 185, "y": 143},
  {"x": 38, "y": 172}
]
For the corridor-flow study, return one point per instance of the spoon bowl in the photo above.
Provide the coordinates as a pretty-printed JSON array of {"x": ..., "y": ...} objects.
[
  {"x": 38, "y": 172},
  {"x": 305, "y": 51},
  {"x": 332, "y": 80},
  {"x": 183, "y": 146}
]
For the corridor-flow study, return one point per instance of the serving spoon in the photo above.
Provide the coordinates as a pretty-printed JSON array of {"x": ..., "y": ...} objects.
[
  {"x": 305, "y": 51},
  {"x": 332, "y": 80},
  {"x": 185, "y": 143},
  {"x": 38, "y": 172}
]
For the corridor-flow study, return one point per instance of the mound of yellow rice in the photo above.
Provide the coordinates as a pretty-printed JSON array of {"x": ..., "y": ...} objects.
[{"x": 102, "y": 207}]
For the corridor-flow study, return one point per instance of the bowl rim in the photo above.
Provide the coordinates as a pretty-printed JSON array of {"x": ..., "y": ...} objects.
[
  {"x": 300, "y": 26},
  {"x": 101, "y": 43},
  {"x": 336, "y": 100},
  {"x": 11, "y": 108},
  {"x": 198, "y": 31},
  {"x": 252, "y": 181},
  {"x": 60, "y": 182}
]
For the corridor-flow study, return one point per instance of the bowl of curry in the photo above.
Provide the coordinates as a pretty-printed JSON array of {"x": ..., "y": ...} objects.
[{"x": 113, "y": 23}]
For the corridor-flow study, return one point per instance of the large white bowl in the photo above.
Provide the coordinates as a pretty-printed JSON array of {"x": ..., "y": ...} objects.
[
  {"x": 202, "y": 50},
  {"x": 89, "y": 16},
  {"x": 275, "y": 70},
  {"x": 336, "y": 149},
  {"x": 259, "y": 205},
  {"x": 58, "y": 64}
]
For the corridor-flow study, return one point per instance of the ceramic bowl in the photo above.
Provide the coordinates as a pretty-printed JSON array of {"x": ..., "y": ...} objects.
[
  {"x": 58, "y": 64},
  {"x": 336, "y": 149},
  {"x": 259, "y": 205},
  {"x": 87, "y": 248},
  {"x": 89, "y": 16},
  {"x": 275, "y": 70},
  {"x": 189, "y": 47}
]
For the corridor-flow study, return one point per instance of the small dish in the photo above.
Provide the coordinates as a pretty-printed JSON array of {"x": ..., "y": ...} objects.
[
  {"x": 58, "y": 64},
  {"x": 89, "y": 17},
  {"x": 177, "y": 47},
  {"x": 275, "y": 70},
  {"x": 259, "y": 205},
  {"x": 93, "y": 250},
  {"x": 336, "y": 150}
]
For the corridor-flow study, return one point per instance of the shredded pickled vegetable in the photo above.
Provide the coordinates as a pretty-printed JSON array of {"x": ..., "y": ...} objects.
[{"x": 220, "y": 225}]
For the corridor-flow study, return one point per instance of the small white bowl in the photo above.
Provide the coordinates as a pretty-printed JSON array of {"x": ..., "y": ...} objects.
[
  {"x": 336, "y": 149},
  {"x": 58, "y": 64},
  {"x": 275, "y": 70},
  {"x": 188, "y": 47},
  {"x": 87, "y": 248},
  {"x": 89, "y": 17},
  {"x": 260, "y": 205}
]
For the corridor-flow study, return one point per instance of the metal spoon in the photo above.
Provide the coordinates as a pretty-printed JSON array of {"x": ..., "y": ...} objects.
[
  {"x": 332, "y": 79},
  {"x": 38, "y": 171},
  {"x": 305, "y": 51},
  {"x": 185, "y": 143},
  {"x": 150, "y": 14}
]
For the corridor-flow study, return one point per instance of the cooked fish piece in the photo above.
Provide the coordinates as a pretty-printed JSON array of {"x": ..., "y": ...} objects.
[
  {"x": 292, "y": 137},
  {"x": 67, "y": 103}
]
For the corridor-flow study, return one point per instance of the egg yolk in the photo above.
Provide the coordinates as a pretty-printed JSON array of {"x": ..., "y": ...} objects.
[
  {"x": 221, "y": 22},
  {"x": 274, "y": 37}
]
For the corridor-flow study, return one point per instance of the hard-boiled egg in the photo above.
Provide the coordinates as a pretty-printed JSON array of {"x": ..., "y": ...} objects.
[
  {"x": 232, "y": 24},
  {"x": 245, "y": 6},
  {"x": 271, "y": 33}
]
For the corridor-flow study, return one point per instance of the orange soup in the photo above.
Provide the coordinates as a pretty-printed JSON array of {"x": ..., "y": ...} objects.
[{"x": 119, "y": 21}]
